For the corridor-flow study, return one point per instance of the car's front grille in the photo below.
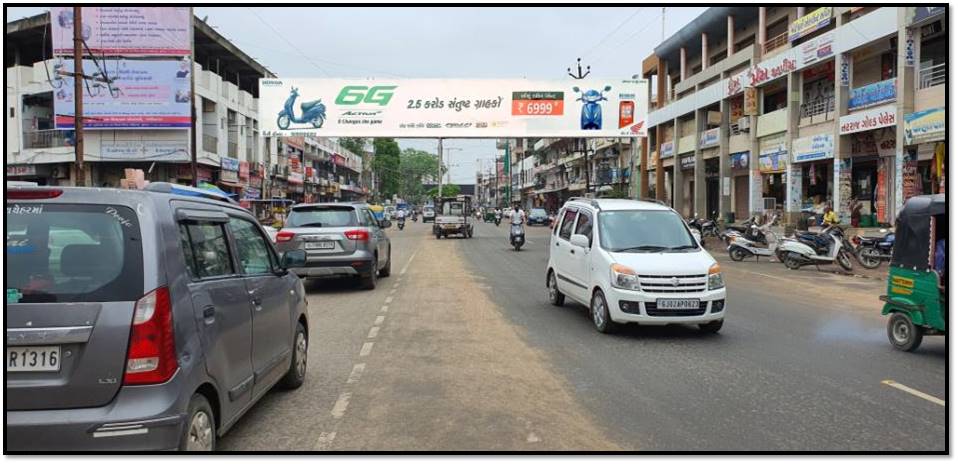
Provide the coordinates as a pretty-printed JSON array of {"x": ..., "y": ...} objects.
[
  {"x": 652, "y": 309},
  {"x": 688, "y": 283}
]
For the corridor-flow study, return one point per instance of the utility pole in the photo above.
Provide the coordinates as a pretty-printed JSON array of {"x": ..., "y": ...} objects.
[
  {"x": 78, "y": 95},
  {"x": 439, "y": 189},
  {"x": 193, "y": 169},
  {"x": 580, "y": 76},
  {"x": 508, "y": 168}
]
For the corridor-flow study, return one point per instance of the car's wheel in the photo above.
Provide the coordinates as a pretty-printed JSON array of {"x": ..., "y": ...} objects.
[
  {"x": 902, "y": 333},
  {"x": 792, "y": 261},
  {"x": 555, "y": 296},
  {"x": 869, "y": 258},
  {"x": 297, "y": 365},
  {"x": 599, "y": 309},
  {"x": 711, "y": 327},
  {"x": 387, "y": 269},
  {"x": 737, "y": 253},
  {"x": 843, "y": 261},
  {"x": 199, "y": 435},
  {"x": 369, "y": 280}
]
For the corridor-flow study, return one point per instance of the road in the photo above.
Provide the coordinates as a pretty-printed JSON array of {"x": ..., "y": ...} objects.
[{"x": 459, "y": 350}]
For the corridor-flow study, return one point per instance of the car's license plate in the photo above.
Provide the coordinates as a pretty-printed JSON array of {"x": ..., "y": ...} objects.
[
  {"x": 326, "y": 245},
  {"x": 33, "y": 359},
  {"x": 450, "y": 226},
  {"x": 672, "y": 303}
]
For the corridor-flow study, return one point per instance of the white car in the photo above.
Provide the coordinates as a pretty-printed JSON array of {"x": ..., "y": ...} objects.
[
  {"x": 633, "y": 261},
  {"x": 428, "y": 214}
]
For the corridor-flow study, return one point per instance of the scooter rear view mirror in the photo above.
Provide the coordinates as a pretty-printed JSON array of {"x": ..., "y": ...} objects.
[
  {"x": 575, "y": 89},
  {"x": 607, "y": 88}
]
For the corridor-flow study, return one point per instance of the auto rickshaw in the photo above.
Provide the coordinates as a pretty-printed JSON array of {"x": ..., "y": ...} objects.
[
  {"x": 917, "y": 297},
  {"x": 378, "y": 212}
]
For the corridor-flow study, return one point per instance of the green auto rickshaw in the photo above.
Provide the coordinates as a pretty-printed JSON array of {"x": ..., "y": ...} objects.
[{"x": 916, "y": 298}]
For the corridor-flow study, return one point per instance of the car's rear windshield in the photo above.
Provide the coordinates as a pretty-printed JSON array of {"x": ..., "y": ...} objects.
[
  {"x": 60, "y": 253},
  {"x": 453, "y": 208},
  {"x": 322, "y": 216},
  {"x": 537, "y": 212}
]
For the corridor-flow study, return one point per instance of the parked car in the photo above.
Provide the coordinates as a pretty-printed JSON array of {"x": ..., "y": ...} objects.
[
  {"x": 271, "y": 232},
  {"x": 142, "y": 320},
  {"x": 340, "y": 240},
  {"x": 428, "y": 214},
  {"x": 633, "y": 261},
  {"x": 537, "y": 217}
]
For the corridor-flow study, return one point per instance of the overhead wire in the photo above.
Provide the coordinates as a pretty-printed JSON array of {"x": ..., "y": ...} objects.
[
  {"x": 291, "y": 44},
  {"x": 610, "y": 34}
]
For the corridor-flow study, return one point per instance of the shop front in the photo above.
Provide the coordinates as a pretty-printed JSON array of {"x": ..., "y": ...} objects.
[
  {"x": 867, "y": 176},
  {"x": 811, "y": 182},
  {"x": 229, "y": 176},
  {"x": 772, "y": 161},
  {"x": 738, "y": 185},
  {"x": 687, "y": 165},
  {"x": 925, "y": 147}
]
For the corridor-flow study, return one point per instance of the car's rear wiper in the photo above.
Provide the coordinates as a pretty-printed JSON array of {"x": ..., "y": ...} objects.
[
  {"x": 311, "y": 224},
  {"x": 641, "y": 248},
  {"x": 684, "y": 247}
]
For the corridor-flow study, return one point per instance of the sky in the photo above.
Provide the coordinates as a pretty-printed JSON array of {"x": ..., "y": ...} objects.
[{"x": 461, "y": 42}]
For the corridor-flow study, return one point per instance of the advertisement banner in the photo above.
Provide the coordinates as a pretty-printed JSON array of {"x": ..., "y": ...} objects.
[
  {"x": 750, "y": 107},
  {"x": 872, "y": 94},
  {"x": 874, "y": 118},
  {"x": 809, "y": 23},
  {"x": 667, "y": 149},
  {"x": 143, "y": 150},
  {"x": 817, "y": 49},
  {"x": 924, "y": 12},
  {"x": 250, "y": 193},
  {"x": 816, "y": 147},
  {"x": 925, "y": 126},
  {"x": 687, "y": 162},
  {"x": 244, "y": 170},
  {"x": 143, "y": 95},
  {"x": 124, "y": 30},
  {"x": 453, "y": 107},
  {"x": 229, "y": 164},
  {"x": 709, "y": 138},
  {"x": 21, "y": 170},
  {"x": 773, "y": 155},
  {"x": 740, "y": 160}
]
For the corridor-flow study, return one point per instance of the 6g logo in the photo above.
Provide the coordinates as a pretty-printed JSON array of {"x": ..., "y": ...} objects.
[{"x": 355, "y": 94}]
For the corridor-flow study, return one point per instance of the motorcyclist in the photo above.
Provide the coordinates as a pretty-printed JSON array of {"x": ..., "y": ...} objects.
[
  {"x": 498, "y": 216},
  {"x": 518, "y": 215},
  {"x": 401, "y": 216}
]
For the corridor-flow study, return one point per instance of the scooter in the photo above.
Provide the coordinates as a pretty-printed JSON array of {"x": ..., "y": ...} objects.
[
  {"x": 826, "y": 247},
  {"x": 314, "y": 112},
  {"x": 733, "y": 230},
  {"x": 709, "y": 227},
  {"x": 400, "y": 223},
  {"x": 759, "y": 241},
  {"x": 498, "y": 219},
  {"x": 871, "y": 251},
  {"x": 591, "y": 118},
  {"x": 517, "y": 236}
]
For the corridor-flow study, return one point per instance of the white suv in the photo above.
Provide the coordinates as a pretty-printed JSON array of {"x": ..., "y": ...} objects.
[{"x": 633, "y": 261}]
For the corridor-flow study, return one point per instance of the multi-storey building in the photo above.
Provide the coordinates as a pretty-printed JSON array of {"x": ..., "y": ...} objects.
[{"x": 786, "y": 109}]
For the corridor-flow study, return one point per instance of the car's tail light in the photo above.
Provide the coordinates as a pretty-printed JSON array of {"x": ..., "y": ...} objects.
[
  {"x": 33, "y": 194},
  {"x": 359, "y": 235},
  {"x": 284, "y": 236},
  {"x": 151, "y": 356}
]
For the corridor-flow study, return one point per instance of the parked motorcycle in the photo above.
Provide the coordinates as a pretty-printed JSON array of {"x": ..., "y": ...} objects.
[
  {"x": 313, "y": 112},
  {"x": 758, "y": 241},
  {"x": 826, "y": 247},
  {"x": 871, "y": 251},
  {"x": 733, "y": 230},
  {"x": 517, "y": 236},
  {"x": 709, "y": 227},
  {"x": 591, "y": 118}
]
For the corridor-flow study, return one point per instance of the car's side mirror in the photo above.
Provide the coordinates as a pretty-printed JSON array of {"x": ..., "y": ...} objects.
[
  {"x": 580, "y": 241},
  {"x": 385, "y": 224},
  {"x": 697, "y": 235},
  {"x": 293, "y": 258}
]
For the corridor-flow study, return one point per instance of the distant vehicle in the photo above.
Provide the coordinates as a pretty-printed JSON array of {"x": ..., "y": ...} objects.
[
  {"x": 152, "y": 320},
  {"x": 633, "y": 261},
  {"x": 340, "y": 239},
  {"x": 428, "y": 214},
  {"x": 454, "y": 217},
  {"x": 271, "y": 232},
  {"x": 389, "y": 212},
  {"x": 537, "y": 217}
]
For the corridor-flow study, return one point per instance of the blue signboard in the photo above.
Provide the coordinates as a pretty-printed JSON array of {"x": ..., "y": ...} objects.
[{"x": 872, "y": 94}]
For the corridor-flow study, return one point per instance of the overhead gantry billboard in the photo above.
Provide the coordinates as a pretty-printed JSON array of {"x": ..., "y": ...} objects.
[{"x": 453, "y": 108}]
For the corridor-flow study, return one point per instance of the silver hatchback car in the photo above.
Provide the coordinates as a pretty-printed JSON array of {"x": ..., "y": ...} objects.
[
  {"x": 142, "y": 320},
  {"x": 340, "y": 239}
]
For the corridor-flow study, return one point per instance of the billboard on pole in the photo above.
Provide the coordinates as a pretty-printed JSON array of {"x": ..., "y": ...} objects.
[
  {"x": 143, "y": 95},
  {"x": 124, "y": 30},
  {"x": 453, "y": 107}
]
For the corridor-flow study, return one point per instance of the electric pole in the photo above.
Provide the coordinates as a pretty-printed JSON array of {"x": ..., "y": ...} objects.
[
  {"x": 439, "y": 188},
  {"x": 193, "y": 169},
  {"x": 78, "y": 95},
  {"x": 580, "y": 76}
]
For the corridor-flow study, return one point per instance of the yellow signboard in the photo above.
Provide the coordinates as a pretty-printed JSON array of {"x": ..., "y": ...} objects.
[{"x": 809, "y": 23}]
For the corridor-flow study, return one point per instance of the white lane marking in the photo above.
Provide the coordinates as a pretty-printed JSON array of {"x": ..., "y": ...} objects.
[
  {"x": 356, "y": 373},
  {"x": 912, "y": 391},
  {"x": 392, "y": 291},
  {"x": 324, "y": 441},
  {"x": 373, "y": 331},
  {"x": 389, "y": 299},
  {"x": 379, "y": 320},
  {"x": 384, "y": 308},
  {"x": 532, "y": 438},
  {"x": 366, "y": 349},
  {"x": 406, "y": 267},
  {"x": 339, "y": 409}
]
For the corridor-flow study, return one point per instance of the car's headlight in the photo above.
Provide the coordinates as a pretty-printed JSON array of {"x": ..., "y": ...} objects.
[
  {"x": 624, "y": 277},
  {"x": 715, "y": 277}
]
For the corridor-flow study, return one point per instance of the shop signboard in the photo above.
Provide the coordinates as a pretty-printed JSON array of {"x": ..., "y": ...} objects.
[
  {"x": 124, "y": 30},
  {"x": 817, "y": 49},
  {"x": 251, "y": 193},
  {"x": 872, "y": 94},
  {"x": 844, "y": 69},
  {"x": 21, "y": 170},
  {"x": 687, "y": 162},
  {"x": 816, "y": 147},
  {"x": 667, "y": 149},
  {"x": 751, "y": 101},
  {"x": 924, "y": 12},
  {"x": 229, "y": 169},
  {"x": 709, "y": 138},
  {"x": 925, "y": 126},
  {"x": 809, "y": 23},
  {"x": 872, "y": 118},
  {"x": 773, "y": 155},
  {"x": 909, "y": 47},
  {"x": 455, "y": 107},
  {"x": 244, "y": 170},
  {"x": 143, "y": 95},
  {"x": 295, "y": 178},
  {"x": 740, "y": 160},
  {"x": 143, "y": 150}
]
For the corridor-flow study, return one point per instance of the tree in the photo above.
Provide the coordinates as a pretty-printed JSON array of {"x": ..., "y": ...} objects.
[
  {"x": 414, "y": 167},
  {"x": 386, "y": 166},
  {"x": 356, "y": 145},
  {"x": 447, "y": 191}
]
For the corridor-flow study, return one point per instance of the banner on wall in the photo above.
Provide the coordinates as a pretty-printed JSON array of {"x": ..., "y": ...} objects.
[
  {"x": 773, "y": 155},
  {"x": 667, "y": 149},
  {"x": 709, "y": 138},
  {"x": 816, "y": 147},
  {"x": 144, "y": 95},
  {"x": 143, "y": 150},
  {"x": 124, "y": 30},
  {"x": 869, "y": 119},
  {"x": 453, "y": 107},
  {"x": 873, "y": 94},
  {"x": 925, "y": 126},
  {"x": 809, "y": 23},
  {"x": 739, "y": 160}
]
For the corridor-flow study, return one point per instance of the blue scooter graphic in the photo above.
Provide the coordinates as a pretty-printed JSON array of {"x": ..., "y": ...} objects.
[
  {"x": 314, "y": 112},
  {"x": 591, "y": 110}
]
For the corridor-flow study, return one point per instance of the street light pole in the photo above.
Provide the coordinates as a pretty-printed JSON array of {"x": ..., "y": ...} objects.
[
  {"x": 580, "y": 76},
  {"x": 78, "y": 95}
]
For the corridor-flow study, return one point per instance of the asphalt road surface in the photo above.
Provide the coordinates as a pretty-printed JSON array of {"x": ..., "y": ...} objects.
[{"x": 460, "y": 350}]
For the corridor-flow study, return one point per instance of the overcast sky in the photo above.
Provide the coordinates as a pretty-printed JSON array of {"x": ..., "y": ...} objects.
[{"x": 469, "y": 42}]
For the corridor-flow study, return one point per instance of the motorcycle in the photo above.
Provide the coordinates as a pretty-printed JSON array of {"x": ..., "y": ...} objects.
[
  {"x": 401, "y": 222},
  {"x": 759, "y": 241},
  {"x": 871, "y": 251},
  {"x": 498, "y": 219},
  {"x": 734, "y": 230},
  {"x": 314, "y": 112},
  {"x": 826, "y": 247},
  {"x": 709, "y": 227},
  {"x": 517, "y": 236},
  {"x": 591, "y": 118}
]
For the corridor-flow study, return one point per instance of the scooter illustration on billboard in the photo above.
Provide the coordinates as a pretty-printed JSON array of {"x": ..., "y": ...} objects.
[
  {"x": 314, "y": 112},
  {"x": 591, "y": 118}
]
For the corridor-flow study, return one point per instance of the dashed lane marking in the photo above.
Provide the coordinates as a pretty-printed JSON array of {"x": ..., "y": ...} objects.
[
  {"x": 366, "y": 349},
  {"x": 384, "y": 308},
  {"x": 389, "y": 299},
  {"x": 339, "y": 409},
  {"x": 406, "y": 267},
  {"x": 379, "y": 320},
  {"x": 373, "y": 331},
  {"x": 325, "y": 441},
  {"x": 912, "y": 391},
  {"x": 392, "y": 291},
  {"x": 356, "y": 373}
]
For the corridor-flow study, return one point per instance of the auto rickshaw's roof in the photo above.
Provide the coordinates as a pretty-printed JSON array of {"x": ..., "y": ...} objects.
[
  {"x": 924, "y": 205},
  {"x": 914, "y": 244}
]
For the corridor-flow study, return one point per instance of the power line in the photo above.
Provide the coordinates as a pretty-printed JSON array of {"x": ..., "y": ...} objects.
[
  {"x": 291, "y": 44},
  {"x": 630, "y": 37},
  {"x": 610, "y": 34},
  {"x": 334, "y": 63}
]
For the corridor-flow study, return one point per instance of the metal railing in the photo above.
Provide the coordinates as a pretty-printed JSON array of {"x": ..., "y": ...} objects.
[
  {"x": 818, "y": 106},
  {"x": 46, "y": 138},
  {"x": 932, "y": 75},
  {"x": 775, "y": 42},
  {"x": 232, "y": 149},
  {"x": 209, "y": 143}
]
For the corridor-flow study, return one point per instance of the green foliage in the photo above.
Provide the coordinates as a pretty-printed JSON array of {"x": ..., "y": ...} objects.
[
  {"x": 447, "y": 191},
  {"x": 386, "y": 166},
  {"x": 414, "y": 166},
  {"x": 356, "y": 145}
]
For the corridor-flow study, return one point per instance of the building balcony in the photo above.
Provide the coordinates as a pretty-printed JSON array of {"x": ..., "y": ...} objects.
[
  {"x": 209, "y": 143},
  {"x": 772, "y": 123},
  {"x": 775, "y": 44},
  {"x": 47, "y": 138},
  {"x": 931, "y": 88},
  {"x": 933, "y": 75},
  {"x": 232, "y": 149},
  {"x": 817, "y": 111}
]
